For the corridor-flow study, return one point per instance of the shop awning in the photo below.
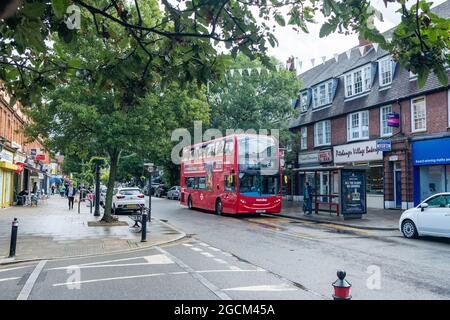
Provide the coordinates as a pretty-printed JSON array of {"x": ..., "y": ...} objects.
[{"x": 7, "y": 165}]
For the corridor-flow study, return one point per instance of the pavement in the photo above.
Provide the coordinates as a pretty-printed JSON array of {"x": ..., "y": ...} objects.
[
  {"x": 51, "y": 231},
  {"x": 374, "y": 219}
]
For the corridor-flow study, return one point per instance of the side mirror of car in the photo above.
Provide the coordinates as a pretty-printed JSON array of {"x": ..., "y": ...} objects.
[{"x": 423, "y": 206}]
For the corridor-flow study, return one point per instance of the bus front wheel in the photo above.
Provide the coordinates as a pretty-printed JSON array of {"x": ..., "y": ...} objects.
[
  {"x": 219, "y": 207},
  {"x": 190, "y": 202}
]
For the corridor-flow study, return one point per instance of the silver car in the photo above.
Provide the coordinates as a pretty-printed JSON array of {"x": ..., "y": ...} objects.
[{"x": 174, "y": 193}]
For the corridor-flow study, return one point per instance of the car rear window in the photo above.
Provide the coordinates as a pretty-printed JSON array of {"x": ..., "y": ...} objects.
[{"x": 130, "y": 192}]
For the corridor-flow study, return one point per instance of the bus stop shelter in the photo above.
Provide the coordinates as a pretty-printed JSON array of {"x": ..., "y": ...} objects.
[{"x": 346, "y": 195}]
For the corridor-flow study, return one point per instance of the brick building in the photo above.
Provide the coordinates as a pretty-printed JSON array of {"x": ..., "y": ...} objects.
[
  {"x": 22, "y": 163},
  {"x": 344, "y": 111}
]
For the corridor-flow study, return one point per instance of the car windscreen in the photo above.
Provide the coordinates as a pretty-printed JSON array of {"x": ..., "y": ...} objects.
[{"x": 130, "y": 192}]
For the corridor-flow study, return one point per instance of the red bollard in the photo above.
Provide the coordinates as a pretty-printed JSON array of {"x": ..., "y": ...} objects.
[{"x": 342, "y": 287}]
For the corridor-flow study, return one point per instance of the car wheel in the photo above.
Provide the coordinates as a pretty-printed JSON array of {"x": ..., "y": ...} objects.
[
  {"x": 409, "y": 229},
  {"x": 190, "y": 202},
  {"x": 219, "y": 207}
]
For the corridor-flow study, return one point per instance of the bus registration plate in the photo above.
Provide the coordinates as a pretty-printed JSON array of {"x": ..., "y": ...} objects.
[{"x": 260, "y": 211}]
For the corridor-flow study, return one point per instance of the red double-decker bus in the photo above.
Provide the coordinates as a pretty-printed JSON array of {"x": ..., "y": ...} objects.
[{"x": 240, "y": 173}]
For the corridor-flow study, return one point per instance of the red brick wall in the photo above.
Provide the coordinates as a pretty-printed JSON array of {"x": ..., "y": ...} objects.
[
  {"x": 374, "y": 123},
  {"x": 339, "y": 130}
]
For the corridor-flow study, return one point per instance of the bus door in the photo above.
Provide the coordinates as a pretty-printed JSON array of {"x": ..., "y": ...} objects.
[{"x": 229, "y": 199}]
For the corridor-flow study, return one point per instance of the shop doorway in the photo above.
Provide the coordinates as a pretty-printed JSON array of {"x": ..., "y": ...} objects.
[{"x": 397, "y": 185}]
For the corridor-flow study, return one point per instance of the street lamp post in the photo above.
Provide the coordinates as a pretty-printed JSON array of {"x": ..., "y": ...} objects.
[
  {"x": 149, "y": 169},
  {"x": 97, "y": 190}
]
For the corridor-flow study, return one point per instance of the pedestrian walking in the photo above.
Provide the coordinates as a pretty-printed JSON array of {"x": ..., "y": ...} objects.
[
  {"x": 307, "y": 199},
  {"x": 62, "y": 190},
  {"x": 71, "y": 191}
]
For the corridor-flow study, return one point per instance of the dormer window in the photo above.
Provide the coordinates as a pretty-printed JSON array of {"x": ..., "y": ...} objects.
[
  {"x": 304, "y": 101},
  {"x": 387, "y": 69},
  {"x": 358, "y": 81},
  {"x": 322, "y": 94}
]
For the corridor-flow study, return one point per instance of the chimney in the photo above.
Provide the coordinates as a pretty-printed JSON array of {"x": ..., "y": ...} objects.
[{"x": 366, "y": 43}]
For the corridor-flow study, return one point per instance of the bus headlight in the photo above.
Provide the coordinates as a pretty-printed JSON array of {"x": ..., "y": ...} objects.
[{"x": 243, "y": 201}]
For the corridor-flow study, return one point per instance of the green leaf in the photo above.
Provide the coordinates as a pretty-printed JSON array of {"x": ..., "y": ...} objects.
[
  {"x": 442, "y": 75},
  {"x": 422, "y": 77},
  {"x": 33, "y": 10},
  {"x": 326, "y": 29},
  {"x": 280, "y": 19},
  {"x": 60, "y": 7}
]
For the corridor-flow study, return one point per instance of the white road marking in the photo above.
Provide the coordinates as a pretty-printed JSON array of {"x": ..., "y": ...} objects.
[
  {"x": 197, "y": 249},
  {"x": 219, "y": 260},
  {"x": 215, "y": 249},
  {"x": 227, "y": 270},
  {"x": 235, "y": 268},
  {"x": 8, "y": 279},
  {"x": 281, "y": 287},
  {"x": 207, "y": 254},
  {"x": 15, "y": 268},
  {"x": 151, "y": 260},
  {"x": 119, "y": 278},
  {"x": 158, "y": 259},
  {"x": 26, "y": 290},
  {"x": 187, "y": 244},
  {"x": 196, "y": 275},
  {"x": 110, "y": 261},
  {"x": 204, "y": 244},
  {"x": 227, "y": 254}
]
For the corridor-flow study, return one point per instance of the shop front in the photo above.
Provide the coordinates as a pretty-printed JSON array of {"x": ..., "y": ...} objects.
[
  {"x": 308, "y": 160},
  {"x": 7, "y": 168},
  {"x": 431, "y": 161},
  {"x": 365, "y": 154}
]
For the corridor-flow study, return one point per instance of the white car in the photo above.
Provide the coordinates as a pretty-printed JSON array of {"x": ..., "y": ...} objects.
[
  {"x": 174, "y": 193},
  {"x": 430, "y": 218},
  {"x": 127, "y": 199}
]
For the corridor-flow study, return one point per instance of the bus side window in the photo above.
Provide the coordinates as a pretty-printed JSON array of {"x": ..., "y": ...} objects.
[
  {"x": 230, "y": 183},
  {"x": 196, "y": 183},
  {"x": 202, "y": 183},
  {"x": 229, "y": 147},
  {"x": 190, "y": 182},
  {"x": 219, "y": 148}
]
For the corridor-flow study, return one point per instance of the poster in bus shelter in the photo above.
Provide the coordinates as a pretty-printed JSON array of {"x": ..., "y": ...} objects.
[{"x": 353, "y": 192}]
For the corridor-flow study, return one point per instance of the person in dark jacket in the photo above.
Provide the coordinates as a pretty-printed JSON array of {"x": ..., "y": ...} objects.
[
  {"x": 307, "y": 199},
  {"x": 71, "y": 191}
]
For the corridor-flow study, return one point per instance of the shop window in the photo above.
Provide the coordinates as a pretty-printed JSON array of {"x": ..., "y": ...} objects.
[
  {"x": 375, "y": 180},
  {"x": 432, "y": 181}
]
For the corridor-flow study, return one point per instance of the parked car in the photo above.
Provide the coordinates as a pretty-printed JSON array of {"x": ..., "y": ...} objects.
[
  {"x": 103, "y": 190},
  {"x": 127, "y": 198},
  {"x": 174, "y": 193},
  {"x": 161, "y": 191},
  {"x": 429, "y": 218}
]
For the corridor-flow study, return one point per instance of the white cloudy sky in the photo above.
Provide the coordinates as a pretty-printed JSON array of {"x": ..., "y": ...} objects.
[{"x": 308, "y": 46}]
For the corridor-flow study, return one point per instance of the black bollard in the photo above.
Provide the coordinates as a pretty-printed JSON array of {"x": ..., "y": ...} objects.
[
  {"x": 144, "y": 227},
  {"x": 12, "y": 248}
]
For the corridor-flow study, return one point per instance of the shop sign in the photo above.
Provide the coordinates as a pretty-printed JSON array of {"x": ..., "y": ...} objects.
[
  {"x": 40, "y": 157},
  {"x": 33, "y": 152},
  {"x": 6, "y": 156},
  {"x": 18, "y": 158},
  {"x": 353, "y": 193},
  {"x": 357, "y": 152},
  {"x": 393, "y": 120},
  {"x": 384, "y": 145},
  {"x": 393, "y": 158},
  {"x": 325, "y": 156},
  {"x": 305, "y": 158},
  {"x": 431, "y": 152}
]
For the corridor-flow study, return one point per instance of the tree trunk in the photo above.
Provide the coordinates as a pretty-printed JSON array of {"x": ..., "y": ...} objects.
[{"x": 113, "y": 164}]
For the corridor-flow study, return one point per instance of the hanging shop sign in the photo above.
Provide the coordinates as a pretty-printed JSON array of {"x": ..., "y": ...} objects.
[
  {"x": 6, "y": 156},
  {"x": 357, "y": 152},
  {"x": 353, "y": 192},
  {"x": 40, "y": 157},
  {"x": 393, "y": 120},
  {"x": 384, "y": 145}
]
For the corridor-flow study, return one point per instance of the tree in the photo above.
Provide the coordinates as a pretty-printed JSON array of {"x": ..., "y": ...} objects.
[
  {"x": 253, "y": 101},
  {"x": 190, "y": 30}
]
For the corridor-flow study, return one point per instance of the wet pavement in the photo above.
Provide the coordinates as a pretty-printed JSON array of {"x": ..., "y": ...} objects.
[
  {"x": 51, "y": 230},
  {"x": 375, "y": 219}
]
